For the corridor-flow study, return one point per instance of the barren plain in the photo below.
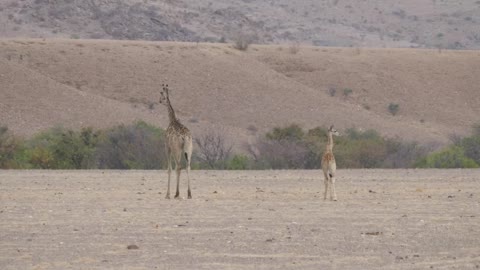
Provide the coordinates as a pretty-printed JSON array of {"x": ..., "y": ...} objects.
[{"x": 384, "y": 219}]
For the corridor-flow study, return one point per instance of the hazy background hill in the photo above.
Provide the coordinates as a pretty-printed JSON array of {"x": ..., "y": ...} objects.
[
  {"x": 451, "y": 24},
  {"x": 243, "y": 94}
]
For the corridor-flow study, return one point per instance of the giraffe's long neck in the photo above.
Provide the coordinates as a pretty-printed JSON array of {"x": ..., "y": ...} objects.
[
  {"x": 330, "y": 142},
  {"x": 171, "y": 113}
]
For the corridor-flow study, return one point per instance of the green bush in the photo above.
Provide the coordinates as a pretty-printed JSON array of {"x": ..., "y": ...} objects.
[
  {"x": 393, "y": 108},
  {"x": 347, "y": 92},
  {"x": 136, "y": 146},
  {"x": 141, "y": 146},
  {"x": 292, "y": 132},
  {"x": 41, "y": 158},
  {"x": 59, "y": 148},
  {"x": 452, "y": 157},
  {"x": 239, "y": 162},
  {"x": 292, "y": 148}
]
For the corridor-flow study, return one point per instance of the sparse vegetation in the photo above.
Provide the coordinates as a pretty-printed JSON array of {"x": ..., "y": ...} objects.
[
  {"x": 136, "y": 146},
  {"x": 293, "y": 148},
  {"x": 241, "y": 42},
  {"x": 464, "y": 153},
  {"x": 213, "y": 150},
  {"x": 141, "y": 146},
  {"x": 449, "y": 158},
  {"x": 347, "y": 92},
  {"x": 294, "y": 48},
  {"x": 332, "y": 91},
  {"x": 393, "y": 108},
  {"x": 9, "y": 145}
]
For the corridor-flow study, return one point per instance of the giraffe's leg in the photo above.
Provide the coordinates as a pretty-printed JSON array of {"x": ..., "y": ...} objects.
[
  {"x": 333, "y": 188},
  {"x": 188, "y": 155},
  {"x": 333, "y": 194},
  {"x": 326, "y": 184},
  {"x": 188, "y": 179},
  {"x": 169, "y": 160},
  {"x": 178, "y": 169}
]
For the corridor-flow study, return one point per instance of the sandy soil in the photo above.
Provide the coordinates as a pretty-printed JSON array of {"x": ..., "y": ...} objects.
[{"x": 384, "y": 219}]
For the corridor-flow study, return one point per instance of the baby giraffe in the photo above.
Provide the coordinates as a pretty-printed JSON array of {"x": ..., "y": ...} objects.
[{"x": 329, "y": 166}]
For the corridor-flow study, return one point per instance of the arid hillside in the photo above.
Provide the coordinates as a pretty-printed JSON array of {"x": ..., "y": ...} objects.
[
  {"x": 99, "y": 83},
  {"x": 451, "y": 24}
]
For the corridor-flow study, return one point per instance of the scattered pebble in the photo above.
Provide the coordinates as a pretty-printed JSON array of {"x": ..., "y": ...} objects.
[
  {"x": 132, "y": 247},
  {"x": 373, "y": 233}
]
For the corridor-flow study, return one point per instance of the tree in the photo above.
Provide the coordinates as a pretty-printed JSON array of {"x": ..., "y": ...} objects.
[{"x": 213, "y": 150}]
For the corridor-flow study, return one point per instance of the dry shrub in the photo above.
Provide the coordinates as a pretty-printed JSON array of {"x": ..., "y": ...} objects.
[
  {"x": 294, "y": 48},
  {"x": 241, "y": 42},
  {"x": 8, "y": 146},
  {"x": 213, "y": 150}
]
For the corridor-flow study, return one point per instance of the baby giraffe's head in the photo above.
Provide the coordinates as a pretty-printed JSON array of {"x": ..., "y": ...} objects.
[
  {"x": 164, "y": 95},
  {"x": 333, "y": 131}
]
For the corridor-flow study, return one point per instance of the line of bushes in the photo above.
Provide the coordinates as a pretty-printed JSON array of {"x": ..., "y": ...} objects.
[
  {"x": 293, "y": 148},
  {"x": 464, "y": 153},
  {"x": 141, "y": 146},
  {"x": 135, "y": 146}
]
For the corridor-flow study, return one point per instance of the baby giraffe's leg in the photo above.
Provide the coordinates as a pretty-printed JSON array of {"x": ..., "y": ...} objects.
[
  {"x": 326, "y": 184},
  {"x": 333, "y": 193}
]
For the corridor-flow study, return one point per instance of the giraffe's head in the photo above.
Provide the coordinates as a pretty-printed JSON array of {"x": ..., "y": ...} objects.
[
  {"x": 333, "y": 131},
  {"x": 164, "y": 94}
]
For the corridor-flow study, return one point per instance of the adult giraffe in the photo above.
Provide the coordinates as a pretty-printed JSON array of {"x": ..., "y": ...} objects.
[{"x": 178, "y": 143}]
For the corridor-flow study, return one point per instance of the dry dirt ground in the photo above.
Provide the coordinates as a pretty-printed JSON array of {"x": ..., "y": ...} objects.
[{"x": 384, "y": 219}]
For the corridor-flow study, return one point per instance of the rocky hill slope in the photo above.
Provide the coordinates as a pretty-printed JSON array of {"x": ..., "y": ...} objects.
[{"x": 449, "y": 24}]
